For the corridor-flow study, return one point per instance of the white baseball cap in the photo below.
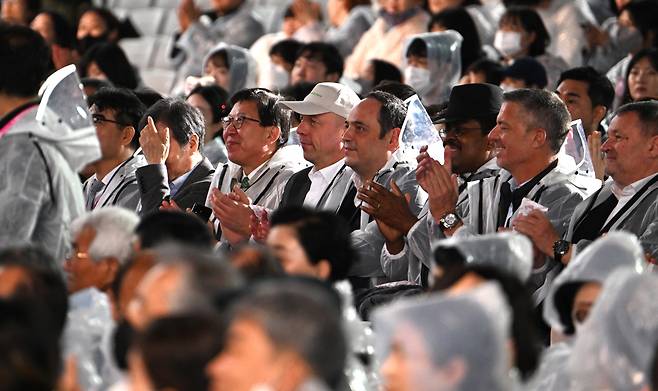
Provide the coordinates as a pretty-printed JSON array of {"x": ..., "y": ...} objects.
[{"x": 326, "y": 98}]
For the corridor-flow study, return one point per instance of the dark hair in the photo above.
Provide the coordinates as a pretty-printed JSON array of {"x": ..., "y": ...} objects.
[
  {"x": 417, "y": 48},
  {"x": 401, "y": 90},
  {"x": 182, "y": 119},
  {"x": 384, "y": 70},
  {"x": 531, "y": 22},
  {"x": 262, "y": 262},
  {"x": 148, "y": 96},
  {"x": 287, "y": 49},
  {"x": 166, "y": 226},
  {"x": 309, "y": 225},
  {"x": 64, "y": 35},
  {"x": 599, "y": 89},
  {"x": 521, "y": 3},
  {"x": 647, "y": 113},
  {"x": 564, "y": 297},
  {"x": 216, "y": 97},
  {"x": 326, "y": 53},
  {"x": 96, "y": 84},
  {"x": 177, "y": 349},
  {"x": 30, "y": 358},
  {"x": 493, "y": 70},
  {"x": 301, "y": 315},
  {"x": 392, "y": 111},
  {"x": 545, "y": 110},
  {"x": 219, "y": 55},
  {"x": 437, "y": 112},
  {"x": 298, "y": 91},
  {"x": 644, "y": 15},
  {"x": 112, "y": 23},
  {"x": 112, "y": 60},
  {"x": 47, "y": 284},
  {"x": 25, "y": 61},
  {"x": 128, "y": 109},
  {"x": 650, "y": 54},
  {"x": 270, "y": 112},
  {"x": 460, "y": 20}
]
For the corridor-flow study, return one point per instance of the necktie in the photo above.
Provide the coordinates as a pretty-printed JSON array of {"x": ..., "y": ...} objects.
[
  {"x": 95, "y": 187},
  {"x": 244, "y": 183}
]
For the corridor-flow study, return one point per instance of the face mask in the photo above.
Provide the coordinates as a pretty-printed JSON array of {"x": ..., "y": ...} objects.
[
  {"x": 418, "y": 78},
  {"x": 86, "y": 42},
  {"x": 508, "y": 43},
  {"x": 279, "y": 76}
]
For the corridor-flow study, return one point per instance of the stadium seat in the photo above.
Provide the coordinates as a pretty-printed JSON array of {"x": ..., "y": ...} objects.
[
  {"x": 161, "y": 80},
  {"x": 139, "y": 50},
  {"x": 148, "y": 21}
]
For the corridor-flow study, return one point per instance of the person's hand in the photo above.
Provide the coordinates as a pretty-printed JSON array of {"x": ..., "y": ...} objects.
[
  {"x": 598, "y": 160},
  {"x": 232, "y": 210},
  {"x": 170, "y": 205},
  {"x": 188, "y": 13},
  {"x": 439, "y": 183},
  {"x": 595, "y": 36},
  {"x": 260, "y": 227},
  {"x": 154, "y": 143},
  {"x": 389, "y": 207},
  {"x": 539, "y": 229},
  {"x": 68, "y": 380}
]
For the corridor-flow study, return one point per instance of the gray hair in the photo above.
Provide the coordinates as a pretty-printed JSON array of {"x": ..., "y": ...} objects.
[
  {"x": 545, "y": 110},
  {"x": 114, "y": 228}
]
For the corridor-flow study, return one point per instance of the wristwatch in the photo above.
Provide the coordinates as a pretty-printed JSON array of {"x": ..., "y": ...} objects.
[
  {"x": 449, "y": 221},
  {"x": 560, "y": 247}
]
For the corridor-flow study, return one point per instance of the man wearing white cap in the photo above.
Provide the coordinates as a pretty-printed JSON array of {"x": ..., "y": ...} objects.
[{"x": 321, "y": 130}]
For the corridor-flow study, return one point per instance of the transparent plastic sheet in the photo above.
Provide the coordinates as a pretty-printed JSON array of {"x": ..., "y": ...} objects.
[
  {"x": 418, "y": 131},
  {"x": 434, "y": 333},
  {"x": 445, "y": 64},
  {"x": 615, "y": 346},
  {"x": 507, "y": 251},
  {"x": 243, "y": 69},
  {"x": 552, "y": 373},
  {"x": 64, "y": 119},
  {"x": 575, "y": 145},
  {"x": 616, "y": 250},
  {"x": 86, "y": 337}
]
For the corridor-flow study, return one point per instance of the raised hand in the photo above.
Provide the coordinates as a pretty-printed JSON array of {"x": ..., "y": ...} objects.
[
  {"x": 188, "y": 13},
  {"x": 439, "y": 183},
  {"x": 388, "y": 207},
  {"x": 598, "y": 161},
  {"x": 154, "y": 143}
]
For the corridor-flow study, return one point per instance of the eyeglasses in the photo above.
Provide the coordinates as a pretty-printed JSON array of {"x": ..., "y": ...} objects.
[
  {"x": 236, "y": 121},
  {"x": 98, "y": 118},
  {"x": 458, "y": 131}
]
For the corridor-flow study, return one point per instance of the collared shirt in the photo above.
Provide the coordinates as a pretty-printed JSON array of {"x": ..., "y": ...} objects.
[
  {"x": 625, "y": 194},
  {"x": 320, "y": 180},
  {"x": 255, "y": 172},
  {"x": 106, "y": 181},
  {"x": 176, "y": 184},
  {"x": 359, "y": 182}
]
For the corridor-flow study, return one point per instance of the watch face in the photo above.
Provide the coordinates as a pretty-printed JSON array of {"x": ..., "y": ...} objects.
[
  {"x": 561, "y": 246},
  {"x": 450, "y": 219}
]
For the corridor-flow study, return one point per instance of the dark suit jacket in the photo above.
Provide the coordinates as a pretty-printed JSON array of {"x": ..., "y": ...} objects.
[{"x": 154, "y": 186}]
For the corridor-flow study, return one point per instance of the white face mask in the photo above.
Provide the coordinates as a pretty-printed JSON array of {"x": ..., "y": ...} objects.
[
  {"x": 279, "y": 76},
  {"x": 508, "y": 43},
  {"x": 418, "y": 78}
]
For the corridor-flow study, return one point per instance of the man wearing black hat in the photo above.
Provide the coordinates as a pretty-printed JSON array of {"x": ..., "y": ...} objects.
[{"x": 470, "y": 115}]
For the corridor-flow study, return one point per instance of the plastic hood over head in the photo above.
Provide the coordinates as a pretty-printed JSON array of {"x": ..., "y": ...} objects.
[
  {"x": 243, "y": 69},
  {"x": 445, "y": 64}
]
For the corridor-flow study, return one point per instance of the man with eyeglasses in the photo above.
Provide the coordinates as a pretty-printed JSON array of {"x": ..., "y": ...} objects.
[
  {"x": 464, "y": 127},
  {"x": 255, "y": 133},
  {"x": 116, "y": 113}
]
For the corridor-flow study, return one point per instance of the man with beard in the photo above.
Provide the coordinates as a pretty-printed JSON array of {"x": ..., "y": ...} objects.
[{"x": 469, "y": 117}]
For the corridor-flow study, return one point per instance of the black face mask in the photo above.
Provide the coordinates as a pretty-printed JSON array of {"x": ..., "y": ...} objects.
[{"x": 86, "y": 42}]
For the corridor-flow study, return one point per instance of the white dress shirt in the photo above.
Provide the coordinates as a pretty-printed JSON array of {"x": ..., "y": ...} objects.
[
  {"x": 320, "y": 180},
  {"x": 625, "y": 194}
]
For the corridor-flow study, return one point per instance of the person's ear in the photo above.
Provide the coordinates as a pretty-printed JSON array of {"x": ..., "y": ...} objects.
[
  {"x": 540, "y": 138},
  {"x": 394, "y": 140},
  {"x": 454, "y": 372},
  {"x": 653, "y": 147},
  {"x": 273, "y": 134},
  {"x": 194, "y": 142},
  {"x": 110, "y": 268},
  {"x": 128, "y": 134},
  {"x": 598, "y": 114},
  {"x": 323, "y": 268}
]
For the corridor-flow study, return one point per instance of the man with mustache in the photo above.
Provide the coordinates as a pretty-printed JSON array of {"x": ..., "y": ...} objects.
[
  {"x": 465, "y": 125},
  {"x": 531, "y": 128}
]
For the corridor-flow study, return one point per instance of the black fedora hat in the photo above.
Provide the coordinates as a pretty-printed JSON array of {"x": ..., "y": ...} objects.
[{"x": 473, "y": 101}]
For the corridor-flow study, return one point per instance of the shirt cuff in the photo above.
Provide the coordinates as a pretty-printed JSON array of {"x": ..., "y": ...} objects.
[{"x": 397, "y": 256}]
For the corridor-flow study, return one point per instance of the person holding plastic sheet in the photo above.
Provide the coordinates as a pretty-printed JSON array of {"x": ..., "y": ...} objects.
[
  {"x": 372, "y": 150},
  {"x": 260, "y": 163},
  {"x": 470, "y": 115},
  {"x": 614, "y": 348},
  {"x": 398, "y": 20},
  {"x": 432, "y": 64},
  {"x": 628, "y": 202},
  {"x": 228, "y": 66},
  {"x": 537, "y": 182},
  {"x": 572, "y": 296},
  {"x": 42, "y": 146},
  {"x": 444, "y": 343},
  {"x": 231, "y": 22}
]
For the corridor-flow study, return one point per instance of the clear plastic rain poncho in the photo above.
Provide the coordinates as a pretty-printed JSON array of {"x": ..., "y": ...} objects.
[
  {"x": 507, "y": 251},
  {"x": 575, "y": 145},
  {"x": 65, "y": 121},
  {"x": 442, "y": 343},
  {"x": 615, "y": 346},
  {"x": 243, "y": 69},
  {"x": 418, "y": 131},
  {"x": 445, "y": 64},
  {"x": 600, "y": 259}
]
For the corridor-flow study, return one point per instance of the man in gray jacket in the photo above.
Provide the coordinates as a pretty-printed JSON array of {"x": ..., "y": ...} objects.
[{"x": 40, "y": 193}]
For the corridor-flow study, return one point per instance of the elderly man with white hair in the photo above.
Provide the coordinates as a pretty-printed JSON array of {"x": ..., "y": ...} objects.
[{"x": 101, "y": 243}]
